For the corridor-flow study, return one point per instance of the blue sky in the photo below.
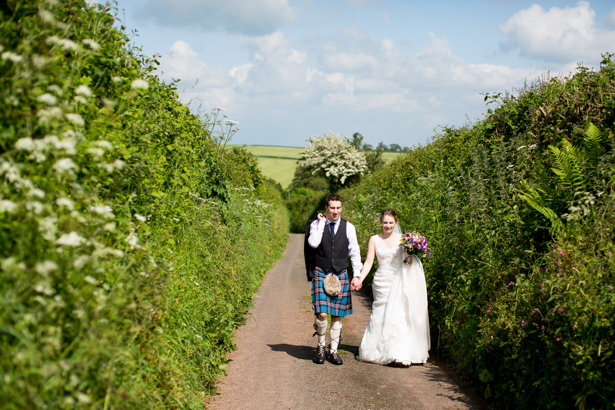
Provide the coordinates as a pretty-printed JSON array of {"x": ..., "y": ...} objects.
[{"x": 395, "y": 71}]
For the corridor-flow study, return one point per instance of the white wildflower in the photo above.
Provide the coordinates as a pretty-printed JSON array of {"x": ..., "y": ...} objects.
[
  {"x": 47, "y": 16},
  {"x": 132, "y": 239},
  {"x": 218, "y": 108},
  {"x": 66, "y": 203},
  {"x": 34, "y": 206},
  {"x": 92, "y": 44},
  {"x": 118, "y": 164},
  {"x": 83, "y": 90},
  {"x": 175, "y": 219},
  {"x": 154, "y": 264},
  {"x": 511, "y": 166},
  {"x": 10, "y": 264},
  {"x": 533, "y": 146},
  {"x": 107, "y": 251},
  {"x": 159, "y": 330},
  {"x": 97, "y": 152},
  {"x": 64, "y": 165},
  {"x": 110, "y": 227},
  {"x": 47, "y": 228},
  {"x": 83, "y": 398},
  {"x": 81, "y": 100},
  {"x": 55, "y": 88},
  {"x": 521, "y": 147},
  {"x": 90, "y": 280},
  {"x": 117, "y": 79},
  {"x": 139, "y": 84},
  {"x": 198, "y": 336},
  {"x": 196, "y": 283},
  {"x": 77, "y": 216},
  {"x": 68, "y": 44},
  {"x": 44, "y": 287},
  {"x": 81, "y": 261},
  {"x": 103, "y": 210},
  {"x": 140, "y": 218},
  {"x": 231, "y": 122},
  {"x": 67, "y": 144},
  {"x": 108, "y": 102},
  {"x": 39, "y": 61},
  {"x": 48, "y": 99},
  {"x": 9, "y": 55},
  {"x": 104, "y": 144},
  {"x": 70, "y": 239},
  {"x": 145, "y": 275},
  {"x": 25, "y": 144},
  {"x": 75, "y": 119},
  {"x": 45, "y": 268},
  {"x": 48, "y": 115},
  {"x": 37, "y": 192}
]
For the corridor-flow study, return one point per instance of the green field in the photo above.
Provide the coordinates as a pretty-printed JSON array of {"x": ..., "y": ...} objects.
[{"x": 279, "y": 163}]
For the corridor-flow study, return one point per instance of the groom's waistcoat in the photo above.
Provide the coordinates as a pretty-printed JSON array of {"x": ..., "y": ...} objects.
[{"x": 332, "y": 254}]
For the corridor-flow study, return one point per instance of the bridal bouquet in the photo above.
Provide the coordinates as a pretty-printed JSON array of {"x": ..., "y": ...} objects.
[{"x": 415, "y": 244}]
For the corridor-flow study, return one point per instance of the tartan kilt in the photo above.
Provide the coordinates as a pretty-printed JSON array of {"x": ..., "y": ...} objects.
[{"x": 340, "y": 305}]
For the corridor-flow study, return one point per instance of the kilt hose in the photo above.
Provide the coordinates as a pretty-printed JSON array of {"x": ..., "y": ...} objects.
[{"x": 340, "y": 305}]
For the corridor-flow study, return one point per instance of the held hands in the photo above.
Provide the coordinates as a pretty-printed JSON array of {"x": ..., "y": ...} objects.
[{"x": 356, "y": 284}]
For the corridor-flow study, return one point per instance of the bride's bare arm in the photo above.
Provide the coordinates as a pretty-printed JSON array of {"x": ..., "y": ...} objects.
[{"x": 369, "y": 259}]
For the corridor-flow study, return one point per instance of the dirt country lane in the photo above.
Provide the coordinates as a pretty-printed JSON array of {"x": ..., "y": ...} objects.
[{"x": 272, "y": 367}]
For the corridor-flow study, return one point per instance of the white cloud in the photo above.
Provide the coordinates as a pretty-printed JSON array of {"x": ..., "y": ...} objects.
[
  {"x": 560, "y": 35},
  {"x": 609, "y": 20},
  {"x": 254, "y": 17},
  {"x": 348, "y": 81}
]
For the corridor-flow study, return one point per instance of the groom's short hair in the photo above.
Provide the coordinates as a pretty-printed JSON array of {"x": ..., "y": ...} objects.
[{"x": 333, "y": 197}]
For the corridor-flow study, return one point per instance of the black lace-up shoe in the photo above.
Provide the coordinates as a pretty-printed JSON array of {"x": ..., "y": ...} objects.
[
  {"x": 320, "y": 355},
  {"x": 335, "y": 359}
]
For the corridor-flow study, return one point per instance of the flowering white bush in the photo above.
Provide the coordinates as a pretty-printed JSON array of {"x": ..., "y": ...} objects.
[{"x": 334, "y": 155}]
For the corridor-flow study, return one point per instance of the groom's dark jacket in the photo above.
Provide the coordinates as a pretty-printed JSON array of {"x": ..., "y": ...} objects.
[{"x": 332, "y": 253}]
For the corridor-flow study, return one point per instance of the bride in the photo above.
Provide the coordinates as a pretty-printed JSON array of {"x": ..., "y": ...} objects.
[{"x": 398, "y": 329}]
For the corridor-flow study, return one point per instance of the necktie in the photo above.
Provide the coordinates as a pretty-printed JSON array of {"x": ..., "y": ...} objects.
[{"x": 332, "y": 227}]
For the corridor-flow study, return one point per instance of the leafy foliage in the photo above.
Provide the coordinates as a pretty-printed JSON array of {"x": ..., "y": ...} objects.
[
  {"x": 131, "y": 244},
  {"x": 518, "y": 209}
]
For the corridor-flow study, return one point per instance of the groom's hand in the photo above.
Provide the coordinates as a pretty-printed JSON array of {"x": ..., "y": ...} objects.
[
  {"x": 356, "y": 284},
  {"x": 321, "y": 217}
]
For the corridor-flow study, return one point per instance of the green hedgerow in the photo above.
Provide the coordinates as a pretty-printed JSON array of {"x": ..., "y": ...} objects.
[{"x": 130, "y": 244}]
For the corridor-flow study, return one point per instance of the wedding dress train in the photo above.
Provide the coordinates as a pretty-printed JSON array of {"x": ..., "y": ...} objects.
[{"x": 398, "y": 329}]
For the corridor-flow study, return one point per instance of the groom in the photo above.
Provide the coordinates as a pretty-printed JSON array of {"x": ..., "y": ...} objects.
[{"x": 333, "y": 240}]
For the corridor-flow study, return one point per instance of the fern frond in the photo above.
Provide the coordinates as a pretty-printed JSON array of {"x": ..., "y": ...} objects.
[
  {"x": 536, "y": 201},
  {"x": 593, "y": 143},
  {"x": 567, "y": 166}
]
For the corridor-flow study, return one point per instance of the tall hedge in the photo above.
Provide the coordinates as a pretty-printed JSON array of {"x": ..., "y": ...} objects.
[
  {"x": 519, "y": 212},
  {"x": 131, "y": 244}
]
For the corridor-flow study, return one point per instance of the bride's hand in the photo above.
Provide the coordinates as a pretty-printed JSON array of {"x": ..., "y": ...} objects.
[
  {"x": 355, "y": 284},
  {"x": 408, "y": 260}
]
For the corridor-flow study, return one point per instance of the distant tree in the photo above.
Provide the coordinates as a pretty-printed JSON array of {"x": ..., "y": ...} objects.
[
  {"x": 382, "y": 147},
  {"x": 405, "y": 149},
  {"x": 395, "y": 147},
  {"x": 333, "y": 155},
  {"x": 357, "y": 141},
  {"x": 368, "y": 147},
  {"x": 374, "y": 160}
]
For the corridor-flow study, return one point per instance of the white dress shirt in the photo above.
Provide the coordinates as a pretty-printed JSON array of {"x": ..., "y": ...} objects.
[{"x": 317, "y": 229}]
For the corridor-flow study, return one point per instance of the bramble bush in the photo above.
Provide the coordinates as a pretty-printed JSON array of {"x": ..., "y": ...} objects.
[
  {"x": 519, "y": 212},
  {"x": 131, "y": 242}
]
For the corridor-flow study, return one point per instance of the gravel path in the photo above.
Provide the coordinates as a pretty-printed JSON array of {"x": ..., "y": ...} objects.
[{"x": 272, "y": 367}]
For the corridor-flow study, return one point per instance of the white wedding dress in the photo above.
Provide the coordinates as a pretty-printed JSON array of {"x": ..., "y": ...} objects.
[{"x": 398, "y": 329}]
